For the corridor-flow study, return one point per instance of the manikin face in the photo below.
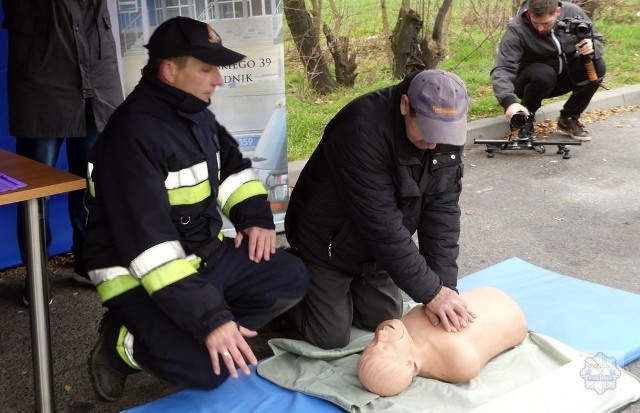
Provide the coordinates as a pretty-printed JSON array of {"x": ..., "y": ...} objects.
[
  {"x": 411, "y": 125},
  {"x": 196, "y": 77},
  {"x": 392, "y": 341},
  {"x": 543, "y": 24},
  {"x": 387, "y": 366}
]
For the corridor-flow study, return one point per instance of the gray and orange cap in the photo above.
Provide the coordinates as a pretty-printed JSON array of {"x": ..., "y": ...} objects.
[
  {"x": 441, "y": 103},
  {"x": 183, "y": 36}
]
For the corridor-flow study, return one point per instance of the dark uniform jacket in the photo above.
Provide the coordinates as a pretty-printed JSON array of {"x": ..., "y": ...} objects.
[
  {"x": 158, "y": 173},
  {"x": 366, "y": 190},
  {"x": 60, "y": 53},
  {"x": 522, "y": 45}
]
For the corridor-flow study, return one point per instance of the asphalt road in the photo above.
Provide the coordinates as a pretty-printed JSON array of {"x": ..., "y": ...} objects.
[{"x": 578, "y": 216}]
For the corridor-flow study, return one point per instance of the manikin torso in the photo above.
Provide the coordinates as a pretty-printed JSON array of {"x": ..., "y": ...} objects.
[{"x": 458, "y": 357}]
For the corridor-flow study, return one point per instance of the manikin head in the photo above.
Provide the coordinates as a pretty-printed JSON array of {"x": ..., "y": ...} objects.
[{"x": 387, "y": 365}]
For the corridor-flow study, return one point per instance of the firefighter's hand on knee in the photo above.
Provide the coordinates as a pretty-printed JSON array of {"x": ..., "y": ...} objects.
[
  {"x": 226, "y": 344},
  {"x": 261, "y": 241},
  {"x": 451, "y": 310}
]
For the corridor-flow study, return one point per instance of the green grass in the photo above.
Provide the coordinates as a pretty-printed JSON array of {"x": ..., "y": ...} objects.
[{"x": 470, "y": 57}]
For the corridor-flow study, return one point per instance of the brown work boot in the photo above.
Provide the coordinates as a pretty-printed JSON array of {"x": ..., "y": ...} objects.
[{"x": 572, "y": 127}]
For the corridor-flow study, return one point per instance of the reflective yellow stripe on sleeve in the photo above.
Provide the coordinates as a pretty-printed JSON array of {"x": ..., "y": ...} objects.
[
  {"x": 156, "y": 257},
  {"x": 161, "y": 265},
  {"x": 233, "y": 182},
  {"x": 246, "y": 191},
  {"x": 167, "y": 274},
  {"x": 112, "y": 281},
  {"x": 109, "y": 289},
  {"x": 238, "y": 187}
]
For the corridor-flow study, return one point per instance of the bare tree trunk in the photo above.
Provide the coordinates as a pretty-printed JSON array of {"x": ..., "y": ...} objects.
[
  {"x": 337, "y": 18},
  {"x": 343, "y": 58},
  {"x": 316, "y": 16},
  {"x": 434, "y": 48},
  {"x": 403, "y": 41},
  {"x": 406, "y": 4},
  {"x": 386, "y": 31},
  {"x": 308, "y": 46},
  {"x": 345, "y": 61},
  {"x": 413, "y": 53}
]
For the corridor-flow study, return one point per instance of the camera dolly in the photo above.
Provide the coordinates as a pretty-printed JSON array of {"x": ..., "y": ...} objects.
[{"x": 525, "y": 139}]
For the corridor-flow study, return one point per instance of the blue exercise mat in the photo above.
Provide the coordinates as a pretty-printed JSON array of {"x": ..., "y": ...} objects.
[
  {"x": 246, "y": 394},
  {"x": 590, "y": 317}
]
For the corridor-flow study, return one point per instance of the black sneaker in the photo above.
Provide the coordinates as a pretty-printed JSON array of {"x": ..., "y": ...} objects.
[
  {"x": 107, "y": 382},
  {"x": 572, "y": 127},
  {"x": 25, "y": 293}
]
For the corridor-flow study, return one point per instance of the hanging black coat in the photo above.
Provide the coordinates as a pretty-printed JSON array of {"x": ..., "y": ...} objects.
[{"x": 60, "y": 52}]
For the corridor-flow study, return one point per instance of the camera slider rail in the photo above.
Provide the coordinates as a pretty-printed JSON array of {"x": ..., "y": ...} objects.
[{"x": 520, "y": 143}]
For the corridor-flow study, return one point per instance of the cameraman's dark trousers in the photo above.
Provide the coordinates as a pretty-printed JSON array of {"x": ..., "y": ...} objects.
[{"x": 538, "y": 81}]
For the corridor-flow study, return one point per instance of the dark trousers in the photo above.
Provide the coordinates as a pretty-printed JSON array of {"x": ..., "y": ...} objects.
[
  {"x": 538, "y": 81},
  {"x": 47, "y": 150},
  {"x": 336, "y": 300},
  {"x": 255, "y": 293}
]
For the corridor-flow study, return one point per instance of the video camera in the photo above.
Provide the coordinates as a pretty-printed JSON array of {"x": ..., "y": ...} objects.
[
  {"x": 575, "y": 25},
  {"x": 582, "y": 29}
]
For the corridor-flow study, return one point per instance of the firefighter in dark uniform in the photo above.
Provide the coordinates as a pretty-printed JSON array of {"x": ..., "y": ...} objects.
[
  {"x": 181, "y": 298},
  {"x": 388, "y": 165}
]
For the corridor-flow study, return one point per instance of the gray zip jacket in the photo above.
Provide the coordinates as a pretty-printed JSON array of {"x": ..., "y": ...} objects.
[{"x": 522, "y": 45}]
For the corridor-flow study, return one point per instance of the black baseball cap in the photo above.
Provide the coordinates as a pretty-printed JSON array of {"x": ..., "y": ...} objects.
[{"x": 184, "y": 36}]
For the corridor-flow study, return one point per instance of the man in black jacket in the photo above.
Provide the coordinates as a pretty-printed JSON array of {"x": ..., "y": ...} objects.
[
  {"x": 389, "y": 164},
  {"x": 63, "y": 84},
  {"x": 550, "y": 48}
]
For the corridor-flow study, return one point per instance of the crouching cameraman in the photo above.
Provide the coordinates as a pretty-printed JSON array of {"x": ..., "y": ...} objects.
[{"x": 549, "y": 48}]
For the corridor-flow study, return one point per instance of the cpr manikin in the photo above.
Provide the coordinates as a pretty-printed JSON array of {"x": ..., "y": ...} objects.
[{"x": 410, "y": 346}]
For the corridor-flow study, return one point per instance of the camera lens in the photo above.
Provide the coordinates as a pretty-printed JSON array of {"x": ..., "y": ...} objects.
[
  {"x": 582, "y": 30},
  {"x": 518, "y": 120}
]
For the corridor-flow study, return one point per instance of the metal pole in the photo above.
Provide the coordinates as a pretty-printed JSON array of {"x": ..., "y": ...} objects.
[{"x": 39, "y": 306}]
